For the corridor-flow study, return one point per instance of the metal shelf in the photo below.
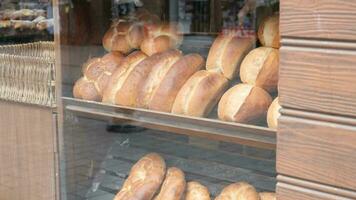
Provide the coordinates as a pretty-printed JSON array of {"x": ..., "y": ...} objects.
[{"x": 214, "y": 129}]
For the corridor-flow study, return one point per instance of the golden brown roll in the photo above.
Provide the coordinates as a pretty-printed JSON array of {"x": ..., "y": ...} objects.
[
  {"x": 238, "y": 191},
  {"x": 121, "y": 74},
  {"x": 268, "y": 196},
  {"x": 227, "y": 53},
  {"x": 261, "y": 67},
  {"x": 268, "y": 32},
  {"x": 244, "y": 103},
  {"x": 200, "y": 93},
  {"x": 128, "y": 93},
  {"x": 123, "y": 36},
  {"x": 144, "y": 179},
  {"x": 197, "y": 191},
  {"x": 173, "y": 186},
  {"x": 165, "y": 81},
  {"x": 97, "y": 72},
  {"x": 161, "y": 37},
  {"x": 273, "y": 114}
]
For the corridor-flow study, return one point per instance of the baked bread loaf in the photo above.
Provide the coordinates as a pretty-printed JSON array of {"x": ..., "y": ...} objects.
[
  {"x": 244, "y": 103},
  {"x": 268, "y": 196},
  {"x": 173, "y": 186},
  {"x": 144, "y": 180},
  {"x": 238, "y": 191},
  {"x": 200, "y": 94},
  {"x": 97, "y": 72},
  {"x": 120, "y": 75},
  {"x": 227, "y": 53},
  {"x": 273, "y": 114},
  {"x": 165, "y": 81},
  {"x": 128, "y": 93},
  {"x": 161, "y": 37},
  {"x": 123, "y": 36},
  {"x": 260, "y": 67},
  {"x": 197, "y": 191},
  {"x": 268, "y": 32}
]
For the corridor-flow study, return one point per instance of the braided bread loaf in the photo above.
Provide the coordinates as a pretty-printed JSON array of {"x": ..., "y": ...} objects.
[
  {"x": 160, "y": 37},
  {"x": 97, "y": 72}
]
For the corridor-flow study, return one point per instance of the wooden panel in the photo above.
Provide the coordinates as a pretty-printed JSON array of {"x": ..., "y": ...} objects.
[
  {"x": 323, "y": 152},
  {"x": 328, "y": 19},
  {"x": 26, "y": 152},
  {"x": 318, "y": 80}
]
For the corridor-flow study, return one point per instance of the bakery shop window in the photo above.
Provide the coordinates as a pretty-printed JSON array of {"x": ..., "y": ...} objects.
[{"x": 178, "y": 96}]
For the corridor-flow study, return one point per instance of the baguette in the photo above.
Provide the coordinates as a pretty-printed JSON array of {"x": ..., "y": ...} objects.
[
  {"x": 268, "y": 32},
  {"x": 268, "y": 196},
  {"x": 273, "y": 114},
  {"x": 173, "y": 186},
  {"x": 197, "y": 191},
  {"x": 238, "y": 191}
]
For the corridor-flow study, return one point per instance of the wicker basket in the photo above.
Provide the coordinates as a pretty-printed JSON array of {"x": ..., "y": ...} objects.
[{"x": 27, "y": 73}]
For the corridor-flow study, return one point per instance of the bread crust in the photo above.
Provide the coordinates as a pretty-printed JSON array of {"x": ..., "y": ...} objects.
[
  {"x": 237, "y": 191},
  {"x": 197, "y": 191},
  {"x": 268, "y": 196},
  {"x": 268, "y": 32},
  {"x": 173, "y": 186},
  {"x": 144, "y": 179},
  {"x": 200, "y": 94},
  {"x": 273, "y": 114}
]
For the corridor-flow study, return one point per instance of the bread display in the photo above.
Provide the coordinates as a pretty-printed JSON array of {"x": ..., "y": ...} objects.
[
  {"x": 173, "y": 186},
  {"x": 97, "y": 72},
  {"x": 273, "y": 114},
  {"x": 244, "y": 103},
  {"x": 268, "y": 32},
  {"x": 227, "y": 53},
  {"x": 200, "y": 94},
  {"x": 165, "y": 81},
  {"x": 144, "y": 180},
  {"x": 260, "y": 68},
  {"x": 238, "y": 191},
  {"x": 268, "y": 196},
  {"x": 123, "y": 36},
  {"x": 121, "y": 74},
  {"x": 197, "y": 191},
  {"x": 161, "y": 37},
  {"x": 136, "y": 77}
]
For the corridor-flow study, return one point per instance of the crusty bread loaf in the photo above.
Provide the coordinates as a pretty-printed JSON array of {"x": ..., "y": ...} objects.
[
  {"x": 273, "y": 114},
  {"x": 173, "y": 186},
  {"x": 97, "y": 72},
  {"x": 123, "y": 36},
  {"x": 260, "y": 67},
  {"x": 165, "y": 81},
  {"x": 121, "y": 74},
  {"x": 268, "y": 32},
  {"x": 129, "y": 91},
  {"x": 268, "y": 196},
  {"x": 227, "y": 53},
  {"x": 197, "y": 191},
  {"x": 161, "y": 37},
  {"x": 238, "y": 191},
  {"x": 200, "y": 93},
  {"x": 144, "y": 180},
  {"x": 244, "y": 103}
]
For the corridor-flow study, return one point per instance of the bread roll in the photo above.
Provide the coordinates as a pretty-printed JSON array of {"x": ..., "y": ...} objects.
[
  {"x": 238, "y": 191},
  {"x": 173, "y": 186},
  {"x": 244, "y": 103},
  {"x": 197, "y": 191},
  {"x": 97, "y": 72},
  {"x": 144, "y": 179},
  {"x": 123, "y": 36},
  {"x": 165, "y": 81},
  {"x": 128, "y": 93},
  {"x": 273, "y": 114},
  {"x": 268, "y": 32},
  {"x": 121, "y": 74},
  {"x": 227, "y": 53},
  {"x": 200, "y": 93},
  {"x": 268, "y": 196},
  {"x": 161, "y": 37},
  {"x": 260, "y": 67}
]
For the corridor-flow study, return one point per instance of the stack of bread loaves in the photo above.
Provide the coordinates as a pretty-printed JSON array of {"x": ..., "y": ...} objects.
[{"x": 149, "y": 180}]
